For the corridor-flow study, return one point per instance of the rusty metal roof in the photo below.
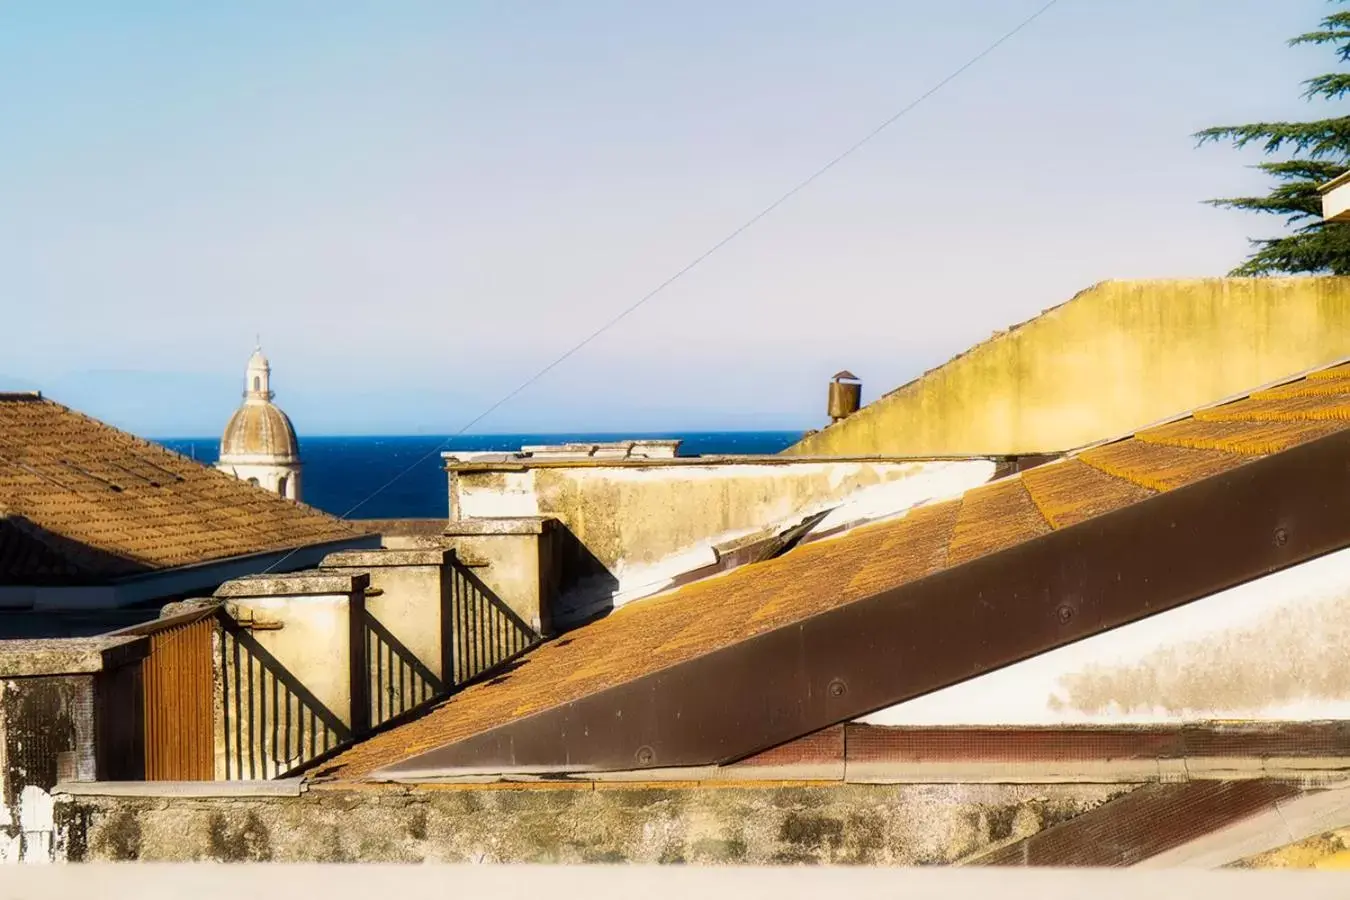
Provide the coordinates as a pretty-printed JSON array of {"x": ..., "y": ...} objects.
[
  {"x": 727, "y": 667},
  {"x": 82, "y": 500}
]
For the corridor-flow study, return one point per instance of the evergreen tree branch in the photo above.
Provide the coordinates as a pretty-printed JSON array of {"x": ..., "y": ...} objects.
[
  {"x": 1316, "y": 139},
  {"x": 1293, "y": 212},
  {"x": 1319, "y": 172},
  {"x": 1330, "y": 87},
  {"x": 1330, "y": 34},
  {"x": 1322, "y": 249},
  {"x": 1322, "y": 152},
  {"x": 1335, "y": 29}
]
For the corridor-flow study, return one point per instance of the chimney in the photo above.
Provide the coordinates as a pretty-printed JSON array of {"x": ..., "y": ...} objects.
[{"x": 845, "y": 396}]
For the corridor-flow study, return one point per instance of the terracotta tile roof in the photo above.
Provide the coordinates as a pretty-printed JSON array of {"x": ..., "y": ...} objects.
[
  {"x": 80, "y": 499},
  {"x": 709, "y": 615}
]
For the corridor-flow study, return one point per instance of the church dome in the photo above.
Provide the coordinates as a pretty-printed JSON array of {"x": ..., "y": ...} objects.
[{"x": 260, "y": 430}]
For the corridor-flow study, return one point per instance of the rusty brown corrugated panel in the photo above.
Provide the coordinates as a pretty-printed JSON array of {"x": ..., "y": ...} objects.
[
  {"x": 873, "y": 744},
  {"x": 1143, "y": 823},
  {"x": 822, "y": 747},
  {"x": 179, "y": 688},
  {"x": 899, "y": 745}
]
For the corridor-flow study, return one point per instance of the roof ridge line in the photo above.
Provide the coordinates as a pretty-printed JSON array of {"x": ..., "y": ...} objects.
[{"x": 1190, "y": 413}]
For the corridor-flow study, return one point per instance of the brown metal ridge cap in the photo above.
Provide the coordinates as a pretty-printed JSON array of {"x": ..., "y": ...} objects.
[{"x": 836, "y": 666}]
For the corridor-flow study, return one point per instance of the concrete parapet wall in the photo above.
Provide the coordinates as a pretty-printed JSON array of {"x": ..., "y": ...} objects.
[{"x": 761, "y": 824}]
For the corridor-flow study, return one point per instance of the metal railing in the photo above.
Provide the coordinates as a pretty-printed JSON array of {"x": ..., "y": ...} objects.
[
  {"x": 399, "y": 681},
  {"x": 272, "y": 723},
  {"x": 479, "y": 633},
  {"x": 484, "y": 632}
]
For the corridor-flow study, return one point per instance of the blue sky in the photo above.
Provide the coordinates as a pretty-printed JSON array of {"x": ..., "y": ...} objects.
[{"x": 419, "y": 204}]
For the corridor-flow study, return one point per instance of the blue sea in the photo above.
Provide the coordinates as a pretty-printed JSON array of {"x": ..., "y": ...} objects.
[{"x": 342, "y": 472}]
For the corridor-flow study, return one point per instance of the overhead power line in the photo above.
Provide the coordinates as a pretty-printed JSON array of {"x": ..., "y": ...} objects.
[{"x": 702, "y": 257}]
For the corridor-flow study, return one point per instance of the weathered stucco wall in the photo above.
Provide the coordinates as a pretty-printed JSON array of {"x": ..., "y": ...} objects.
[
  {"x": 310, "y": 624},
  {"x": 632, "y": 526},
  {"x": 73, "y": 713},
  {"x": 772, "y": 824},
  {"x": 409, "y": 605},
  {"x": 408, "y": 592},
  {"x": 1116, "y": 357},
  {"x": 44, "y": 722},
  {"x": 313, "y": 642},
  {"x": 1273, "y": 650}
]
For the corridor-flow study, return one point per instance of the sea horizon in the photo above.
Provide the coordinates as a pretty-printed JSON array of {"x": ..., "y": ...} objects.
[{"x": 401, "y": 477}]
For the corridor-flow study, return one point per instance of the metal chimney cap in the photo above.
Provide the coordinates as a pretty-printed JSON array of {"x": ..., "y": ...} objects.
[{"x": 846, "y": 375}]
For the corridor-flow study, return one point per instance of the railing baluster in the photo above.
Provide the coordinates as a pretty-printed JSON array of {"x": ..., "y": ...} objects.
[
  {"x": 404, "y": 674},
  {"x": 287, "y": 746},
  {"x": 374, "y": 656},
  {"x": 276, "y": 720},
  {"x": 461, "y": 628},
  {"x": 239, "y": 712},
  {"x": 254, "y": 729},
  {"x": 225, "y": 688}
]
